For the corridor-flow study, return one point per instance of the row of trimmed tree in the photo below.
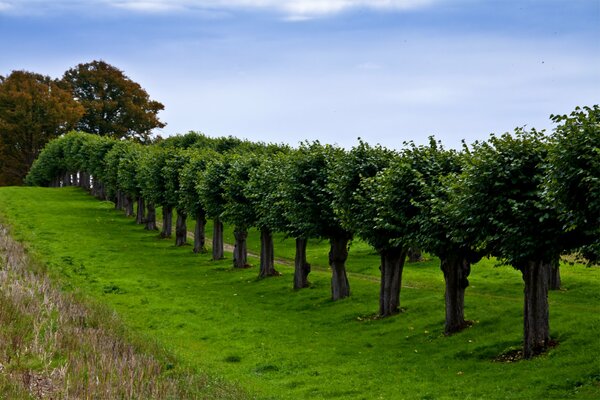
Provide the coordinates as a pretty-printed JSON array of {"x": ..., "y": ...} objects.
[{"x": 525, "y": 198}]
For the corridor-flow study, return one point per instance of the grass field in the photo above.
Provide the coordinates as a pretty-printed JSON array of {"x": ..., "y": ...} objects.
[{"x": 279, "y": 343}]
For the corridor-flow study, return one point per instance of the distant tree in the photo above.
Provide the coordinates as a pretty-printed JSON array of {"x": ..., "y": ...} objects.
[
  {"x": 211, "y": 192},
  {"x": 114, "y": 105},
  {"x": 265, "y": 190},
  {"x": 173, "y": 164},
  {"x": 152, "y": 187},
  {"x": 573, "y": 183},
  {"x": 189, "y": 200},
  {"x": 500, "y": 199},
  {"x": 238, "y": 209},
  {"x": 33, "y": 110}
]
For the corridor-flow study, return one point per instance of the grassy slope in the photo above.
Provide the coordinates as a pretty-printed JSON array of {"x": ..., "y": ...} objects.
[{"x": 284, "y": 344}]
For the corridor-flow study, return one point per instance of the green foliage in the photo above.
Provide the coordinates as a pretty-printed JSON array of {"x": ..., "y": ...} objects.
[
  {"x": 149, "y": 171},
  {"x": 264, "y": 190},
  {"x": 210, "y": 186},
  {"x": 573, "y": 183},
  {"x": 499, "y": 197},
  {"x": 189, "y": 175},
  {"x": 127, "y": 176},
  {"x": 238, "y": 208},
  {"x": 305, "y": 195},
  {"x": 173, "y": 164},
  {"x": 48, "y": 165},
  {"x": 439, "y": 231},
  {"x": 352, "y": 196},
  {"x": 112, "y": 163}
]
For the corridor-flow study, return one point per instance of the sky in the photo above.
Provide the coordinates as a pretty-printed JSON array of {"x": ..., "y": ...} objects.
[{"x": 387, "y": 71}]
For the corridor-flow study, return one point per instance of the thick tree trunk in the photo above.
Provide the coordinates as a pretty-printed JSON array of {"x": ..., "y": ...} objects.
[
  {"x": 392, "y": 264},
  {"x": 301, "y": 267},
  {"x": 536, "y": 310},
  {"x": 414, "y": 255},
  {"x": 338, "y": 253},
  {"x": 141, "y": 211},
  {"x": 151, "y": 217},
  {"x": 217, "y": 240},
  {"x": 181, "y": 229},
  {"x": 129, "y": 202},
  {"x": 240, "y": 252},
  {"x": 199, "y": 236},
  {"x": 267, "y": 256},
  {"x": 456, "y": 271},
  {"x": 554, "y": 276},
  {"x": 118, "y": 201},
  {"x": 167, "y": 228}
]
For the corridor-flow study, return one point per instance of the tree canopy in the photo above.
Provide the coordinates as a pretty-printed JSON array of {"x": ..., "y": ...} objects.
[
  {"x": 114, "y": 105},
  {"x": 33, "y": 110}
]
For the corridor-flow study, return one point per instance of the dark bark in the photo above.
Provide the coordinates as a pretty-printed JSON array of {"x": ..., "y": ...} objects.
[
  {"x": 141, "y": 211},
  {"x": 536, "y": 311},
  {"x": 167, "y": 228},
  {"x": 338, "y": 253},
  {"x": 129, "y": 202},
  {"x": 267, "y": 256},
  {"x": 118, "y": 201},
  {"x": 181, "y": 229},
  {"x": 414, "y": 255},
  {"x": 199, "y": 236},
  {"x": 151, "y": 217},
  {"x": 240, "y": 252},
  {"x": 554, "y": 276},
  {"x": 392, "y": 264},
  {"x": 301, "y": 267},
  {"x": 456, "y": 269},
  {"x": 217, "y": 240}
]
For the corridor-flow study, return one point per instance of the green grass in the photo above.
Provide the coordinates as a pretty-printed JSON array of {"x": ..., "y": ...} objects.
[{"x": 280, "y": 343}]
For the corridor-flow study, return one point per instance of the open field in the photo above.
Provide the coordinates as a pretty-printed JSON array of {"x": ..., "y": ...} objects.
[{"x": 279, "y": 343}]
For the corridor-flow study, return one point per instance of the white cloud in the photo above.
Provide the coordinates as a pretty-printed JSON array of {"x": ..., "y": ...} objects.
[
  {"x": 4, "y": 6},
  {"x": 294, "y": 10}
]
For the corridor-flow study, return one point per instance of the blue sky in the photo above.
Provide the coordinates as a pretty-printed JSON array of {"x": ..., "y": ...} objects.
[{"x": 334, "y": 70}]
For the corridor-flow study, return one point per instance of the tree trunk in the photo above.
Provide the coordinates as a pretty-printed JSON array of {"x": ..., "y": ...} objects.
[
  {"x": 181, "y": 229},
  {"x": 217, "y": 240},
  {"x": 199, "y": 236},
  {"x": 392, "y": 264},
  {"x": 167, "y": 228},
  {"x": 536, "y": 314},
  {"x": 151, "y": 217},
  {"x": 267, "y": 257},
  {"x": 240, "y": 252},
  {"x": 141, "y": 209},
  {"x": 301, "y": 267},
  {"x": 338, "y": 253},
  {"x": 456, "y": 269},
  {"x": 554, "y": 276},
  {"x": 414, "y": 255},
  {"x": 129, "y": 206}
]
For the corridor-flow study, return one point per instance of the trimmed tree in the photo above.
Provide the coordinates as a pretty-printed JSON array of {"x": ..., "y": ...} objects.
[
  {"x": 211, "y": 193},
  {"x": 573, "y": 181},
  {"x": 352, "y": 205},
  {"x": 307, "y": 203},
  {"x": 499, "y": 196},
  {"x": 189, "y": 199},
  {"x": 440, "y": 232}
]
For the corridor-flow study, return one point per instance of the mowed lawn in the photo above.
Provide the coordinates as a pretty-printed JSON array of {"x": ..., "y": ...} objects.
[{"x": 284, "y": 344}]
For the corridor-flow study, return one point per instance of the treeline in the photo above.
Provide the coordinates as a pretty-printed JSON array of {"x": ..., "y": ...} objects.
[{"x": 525, "y": 198}]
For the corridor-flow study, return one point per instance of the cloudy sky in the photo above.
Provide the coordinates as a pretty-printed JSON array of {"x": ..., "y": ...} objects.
[{"x": 333, "y": 70}]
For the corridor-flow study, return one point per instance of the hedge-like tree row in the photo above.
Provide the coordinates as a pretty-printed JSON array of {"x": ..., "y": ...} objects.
[{"x": 525, "y": 198}]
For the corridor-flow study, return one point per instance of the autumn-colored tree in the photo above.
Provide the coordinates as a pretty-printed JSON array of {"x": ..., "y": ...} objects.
[
  {"x": 33, "y": 110},
  {"x": 114, "y": 104}
]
